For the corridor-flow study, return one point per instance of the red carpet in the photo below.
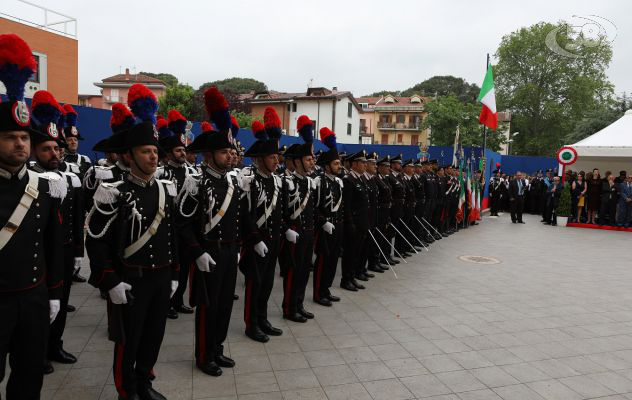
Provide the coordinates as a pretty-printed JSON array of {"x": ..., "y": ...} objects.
[{"x": 605, "y": 227}]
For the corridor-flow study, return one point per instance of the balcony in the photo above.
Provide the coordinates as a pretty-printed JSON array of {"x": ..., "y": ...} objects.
[
  {"x": 389, "y": 126},
  {"x": 113, "y": 99}
]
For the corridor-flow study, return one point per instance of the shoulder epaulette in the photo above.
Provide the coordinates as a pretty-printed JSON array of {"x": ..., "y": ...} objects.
[
  {"x": 74, "y": 179},
  {"x": 103, "y": 173},
  {"x": 57, "y": 187},
  {"x": 107, "y": 193}
]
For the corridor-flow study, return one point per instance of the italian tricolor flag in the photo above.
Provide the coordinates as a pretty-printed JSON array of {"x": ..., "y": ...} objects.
[{"x": 489, "y": 116}]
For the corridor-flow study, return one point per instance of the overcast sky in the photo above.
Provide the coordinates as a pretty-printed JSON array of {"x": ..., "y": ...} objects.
[{"x": 361, "y": 46}]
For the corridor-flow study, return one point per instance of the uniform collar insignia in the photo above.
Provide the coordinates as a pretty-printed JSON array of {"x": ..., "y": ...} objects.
[
  {"x": 8, "y": 175},
  {"x": 174, "y": 164},
  {"x": 140, "y": 181}
]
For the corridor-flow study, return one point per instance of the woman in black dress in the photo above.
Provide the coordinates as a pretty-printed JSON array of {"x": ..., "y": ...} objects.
[
  {"x": 578, "y": 194},
  {"x": 594, "y": 194}
]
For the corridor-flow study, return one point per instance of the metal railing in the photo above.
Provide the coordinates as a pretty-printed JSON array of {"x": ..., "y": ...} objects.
[{"x": 49, "y": 20}]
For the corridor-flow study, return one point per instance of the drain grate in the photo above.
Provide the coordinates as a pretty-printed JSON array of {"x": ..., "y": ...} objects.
[{"x": 479, "y": 260}]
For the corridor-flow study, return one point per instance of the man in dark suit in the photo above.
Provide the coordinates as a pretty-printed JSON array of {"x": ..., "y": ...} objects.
[{"x": 517, "y": 189}]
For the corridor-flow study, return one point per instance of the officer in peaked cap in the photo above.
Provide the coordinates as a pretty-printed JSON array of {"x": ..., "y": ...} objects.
[{"x": 356, "y": 208}]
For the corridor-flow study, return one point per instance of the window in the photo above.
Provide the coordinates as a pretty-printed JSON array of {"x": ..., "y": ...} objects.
[
  {"x": 414, "y": 140},
  {"x": 293, "y": 107},
  {"x": 400, "y": 138},
  {"x": 401, "y": 119},
  {"x": 36, "y": 75},
  {"x": 349, "y": 110},
  {"x": 289, "y": 107},
  {"x": 384, "y": 138},
  {"x": 366, "y": 140},
  {"x": 114, "y": 95},
  {"x": 385, "y": 118},
  {"x": 348, "y": 129}
]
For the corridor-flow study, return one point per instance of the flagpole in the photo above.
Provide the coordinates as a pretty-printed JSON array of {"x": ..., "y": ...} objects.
[{"x": 485, "y": 126}]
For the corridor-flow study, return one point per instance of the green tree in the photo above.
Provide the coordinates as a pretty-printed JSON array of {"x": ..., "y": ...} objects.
[
  {"x": 179, "y": 97},
  {"x": 445, "y": 113},
  {"x": 236, "y": 85},
  {"x": 546, "y": 92},
  {"x": 243, "y": 119},
  {"x": 168, "y": 79},
  {"x": 446, "y": 86},
  {"x": 384, "y": 93}
]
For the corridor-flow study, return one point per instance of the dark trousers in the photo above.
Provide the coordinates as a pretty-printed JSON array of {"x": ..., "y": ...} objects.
[
  {"x": 516, "y": 206},
  {"x": 24, "y": 319},
  {"x": 494, "y": 201},
  {"x": 183, "y": 278},
  {"x": 608, "y": 208},
  {"x": 297, "y": 275},
  {"x": 437, "y": 216},
  {"x": 59, "y": 325},
  {"x": 327, "y": 254},
  {"x": 144, "y": 326},
  {"x": 259, "y": 275},
  {"x": 212, "y": 319},
  {"x": 354, "y": 243}
]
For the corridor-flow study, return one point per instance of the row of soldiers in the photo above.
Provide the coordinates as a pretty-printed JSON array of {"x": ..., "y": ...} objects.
[{"x": 156, "y": 221}]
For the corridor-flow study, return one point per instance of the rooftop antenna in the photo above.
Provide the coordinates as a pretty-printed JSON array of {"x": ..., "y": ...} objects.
[{"x": 310, "y": 83}]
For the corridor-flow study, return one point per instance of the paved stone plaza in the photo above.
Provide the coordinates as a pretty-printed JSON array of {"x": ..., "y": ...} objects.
[{"x": 552, "y": 320}]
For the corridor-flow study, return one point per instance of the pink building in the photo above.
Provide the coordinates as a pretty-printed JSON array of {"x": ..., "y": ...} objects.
[{"x": 115, "y": 88}]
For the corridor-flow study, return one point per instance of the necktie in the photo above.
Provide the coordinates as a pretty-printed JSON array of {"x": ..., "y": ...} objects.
[{"x": 519, "y": 187}]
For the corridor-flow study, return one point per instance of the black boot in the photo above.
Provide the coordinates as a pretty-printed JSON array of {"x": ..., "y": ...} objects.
[
  {"x": 61, "y": 356},
  {"x": 210, "y": 368},
  {"x": 347, "y": 285},
  {"x": 172, "y": 313},
  {"x": 357, "y": 285},
  {"x": 304, "y": 312},
  {"x": 257, "y": 335},
  {"x": 268, "y": 329},
  {"x": 224, "y": 362},
  {"x": 295, "y": 317}
]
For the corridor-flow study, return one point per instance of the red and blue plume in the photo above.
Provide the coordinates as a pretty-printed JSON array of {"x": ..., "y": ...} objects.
[
  {"x": 61, "y": 122},
  {"x": 71, "y": 115},
  {"x": 234, "y": 126},
  {"x": 217, "y": 109},
  {"x": 272, "y": 123},
  {"x": 162, "y": 126},
  {"x": 17, "y": 65},
  {"x": 258, "y": 129},
  {"x": 45, "y": 109},
  {"x": 305, "y": 128},
  {"x": 122, "y": 118},
  {"x": 142, "y": 102},
  {"x": 205, "y": 126},
  {"x": 328, "y": 137},
  {"x": 177, "y": 122}
]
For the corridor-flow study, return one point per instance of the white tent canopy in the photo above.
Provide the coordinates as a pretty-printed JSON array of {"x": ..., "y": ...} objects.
[{"x": 608, "y": 149}]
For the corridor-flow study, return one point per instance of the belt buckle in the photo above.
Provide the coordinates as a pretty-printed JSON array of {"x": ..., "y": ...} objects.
[{"x": 31, "y": 191}]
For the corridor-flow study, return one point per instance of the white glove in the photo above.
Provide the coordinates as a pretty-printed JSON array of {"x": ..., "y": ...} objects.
[
  {"x": 261, "y": 249},
  {"x": 117, "y": 293},
  {"x": 174, "y": 287},
  {"x": 54, "y": 307},
  {"x": 329, "y": 227},
  {"x": 204, "y": 262},
  {"x": 78, "y": 261},
  {"x": 238, "y": 257},
  {"x": 291, "y": 236}
]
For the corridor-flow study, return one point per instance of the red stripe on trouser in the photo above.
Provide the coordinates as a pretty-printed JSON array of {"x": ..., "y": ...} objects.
[
  {"x": 248, "y": 300},
  {"x": 201, "y": 334},
  {"x": 319, "y": 276},
  {"x": 118, "y": 370}
]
